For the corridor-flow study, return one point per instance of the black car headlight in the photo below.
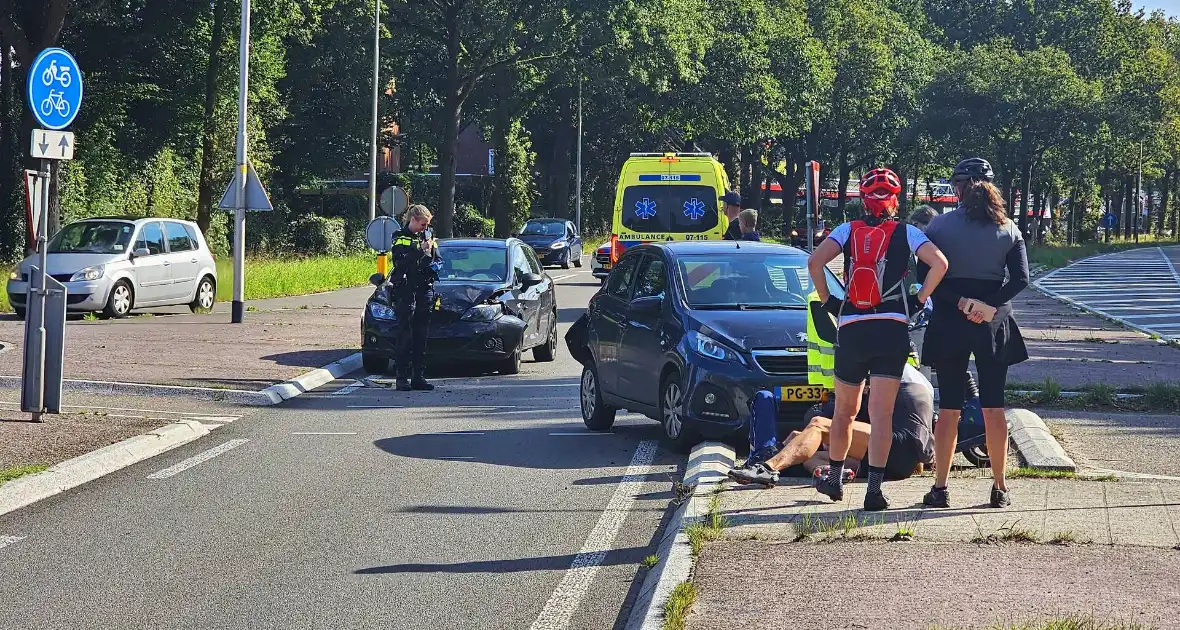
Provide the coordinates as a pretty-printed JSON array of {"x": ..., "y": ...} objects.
[
  {"x": 707, "y": 346},
  {"x": 381, "y": 311},
  {"x": 483, "y": 313}
]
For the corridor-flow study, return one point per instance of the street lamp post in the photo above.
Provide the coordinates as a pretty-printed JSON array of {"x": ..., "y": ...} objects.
[
  {"x": 578, "y": 186},
  {"x": 238, "y": 307}
]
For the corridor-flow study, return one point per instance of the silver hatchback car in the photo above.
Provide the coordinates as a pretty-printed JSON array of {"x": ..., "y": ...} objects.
[{"x": 116, "y": 265}]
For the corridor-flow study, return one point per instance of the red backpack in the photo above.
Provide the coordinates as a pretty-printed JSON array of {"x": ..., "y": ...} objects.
[{"x": 867, "y": 256}]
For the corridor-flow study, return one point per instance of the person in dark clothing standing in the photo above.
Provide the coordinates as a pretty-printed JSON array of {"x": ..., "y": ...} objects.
[
  {"x": 731, "y": 205},
  {"x": 748, "y": 221},
  {"x": 973, "y": 316},
  {"x": 412, "y": 286}
]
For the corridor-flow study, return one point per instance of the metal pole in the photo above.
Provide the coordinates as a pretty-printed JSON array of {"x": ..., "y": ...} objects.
[
  {"x": 578, "y": 186},
  {"x": 376, "y": 98},
  {"x": 1139, "y": 192},
  {"x": 239, "y": 299},
  {"x": 42, "y": 294}
]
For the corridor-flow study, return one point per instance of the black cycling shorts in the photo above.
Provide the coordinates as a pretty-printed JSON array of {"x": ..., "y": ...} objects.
[
  {"x": 952, "y": 381},
  {"x": 877, "y": 347}
]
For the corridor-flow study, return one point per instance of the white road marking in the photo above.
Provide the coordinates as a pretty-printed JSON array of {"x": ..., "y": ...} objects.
[
  {"x": 217, "y": 419},
  {"x": 573, "y": 588},
  {"x": 321, "y": 433},
  {"x": 565, "y": 277},
  {"x": 344, "y": 391},
  {"x": 197, "y": 459},
  {"x": 9, "y": 540},
  {"x": 584, "y": 433}
]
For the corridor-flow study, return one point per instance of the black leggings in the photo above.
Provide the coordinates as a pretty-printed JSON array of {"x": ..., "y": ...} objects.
[{"x": 952, "y": 381}]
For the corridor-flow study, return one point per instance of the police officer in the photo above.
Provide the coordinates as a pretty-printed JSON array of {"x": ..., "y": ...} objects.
[{"x": 415, "y": 259}]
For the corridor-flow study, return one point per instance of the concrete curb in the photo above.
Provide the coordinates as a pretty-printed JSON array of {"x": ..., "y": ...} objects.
[
  {"x": 72, "y": 473},
  {"x": 313, "y": 379},
  {"x": 1036, "y": 445},
  {"x": 707, "y": 465},
  {"x": 272, "y": 395}
]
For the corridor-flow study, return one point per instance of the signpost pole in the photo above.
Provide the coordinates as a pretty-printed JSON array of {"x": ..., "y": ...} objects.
[
  {"x": 238, "y": 310},
  {"x": 376, "y": 99},
  {"x": 578, "y": 186}
]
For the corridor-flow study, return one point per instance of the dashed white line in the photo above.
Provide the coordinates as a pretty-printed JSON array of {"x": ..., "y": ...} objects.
[
  {"x": 9, "y": 540},
  {"x": 566, "y": 277},
  {"x": 576, "y": 583},
  {"x": 197, "y": 459},
  {"x": 344, "y": 391}
]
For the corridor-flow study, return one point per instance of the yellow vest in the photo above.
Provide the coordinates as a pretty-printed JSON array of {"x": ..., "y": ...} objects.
[{"x": 821, "y": 355}]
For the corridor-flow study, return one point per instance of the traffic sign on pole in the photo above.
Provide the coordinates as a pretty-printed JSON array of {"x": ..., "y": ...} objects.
[
  {"x": 393, "y": 201},
  {"x": 51, "y": 145},
  {"x": 55, "y": 88},
  {"x": 256, "y": 197},
  {"x": 1109, "y": 220}
]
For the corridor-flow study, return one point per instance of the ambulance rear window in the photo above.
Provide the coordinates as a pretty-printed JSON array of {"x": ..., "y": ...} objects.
[{"x": 669, "y": 209}]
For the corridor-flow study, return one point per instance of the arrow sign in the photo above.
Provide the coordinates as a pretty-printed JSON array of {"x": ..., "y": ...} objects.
[
  {"x": 256, "y": 197},
  {"x": 51, "y": 145}
]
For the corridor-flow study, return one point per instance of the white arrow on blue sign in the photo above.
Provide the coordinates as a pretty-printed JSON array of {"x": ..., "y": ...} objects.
[
  {"x": 55, "y": 88},
  {"x": 1109, "y": 220}
]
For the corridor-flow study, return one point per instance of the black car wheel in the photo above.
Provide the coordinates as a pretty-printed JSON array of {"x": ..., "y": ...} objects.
[
  {"x": 978, "y": 456},
  {"x": 578, "y": 261},
  {"x": 597, "y": 415},
  {"x": 120, "y": 302},
  {"x": 678, "y": 433},
  {"x": 511, "y": 365},
  {"x": 548, "y": 351},
  {"x": 374, "y": 364}
]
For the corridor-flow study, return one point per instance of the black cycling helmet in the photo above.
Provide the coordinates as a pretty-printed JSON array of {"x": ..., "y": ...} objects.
[{"x": 973, "y": 168}]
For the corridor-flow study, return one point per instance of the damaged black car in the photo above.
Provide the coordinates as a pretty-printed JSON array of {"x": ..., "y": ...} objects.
[{"x": 496, "y": 303}]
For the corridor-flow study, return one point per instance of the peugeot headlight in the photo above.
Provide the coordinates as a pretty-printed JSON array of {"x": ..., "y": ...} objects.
[
  {"x": 706, "y": 346},
  {"x": 558, "y": 245},
  {"x": 381, "y": 311},
  {"x": 483, "y": 313},
  {"x": 88, "y": 274},
  {"x": 14, "y": 276}
]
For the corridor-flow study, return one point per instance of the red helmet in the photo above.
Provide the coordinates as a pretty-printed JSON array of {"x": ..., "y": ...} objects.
[{"x": 879, "y": 189}]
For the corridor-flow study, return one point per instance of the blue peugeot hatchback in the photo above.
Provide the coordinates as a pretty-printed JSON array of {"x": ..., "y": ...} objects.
[{"x": 686, "y": 333}]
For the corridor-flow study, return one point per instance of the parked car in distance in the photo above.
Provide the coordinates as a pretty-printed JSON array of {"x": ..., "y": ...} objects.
[
  {"x": 799, "y": 235},
  {"x": 113, "y": 266},
  {"x": 556, "y": 241},
  {"x": 687, "y": 332},
  {"x": 497, "y": 303},
  {"x": 600, "y": 263}
]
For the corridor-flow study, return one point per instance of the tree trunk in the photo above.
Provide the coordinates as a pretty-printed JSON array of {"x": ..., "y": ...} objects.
[
  {"x": 1071, "y": 216},
  {"x": 11, "y": 213},
  {"x": 560, "y": 166},
  {"x": 1026, "y": 187},
  {"x": 502, "y": 179},
  {"x": 205, "y": 186},
  {"x": 1165, "y": 192},
  {"x": 1129, "y": 208},
  {"x": 845, "y": 171},
  {"x": 745, "y": 178}
]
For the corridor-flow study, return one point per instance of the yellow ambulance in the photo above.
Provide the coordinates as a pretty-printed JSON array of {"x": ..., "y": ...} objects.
[{"x": 668, "y": 197}]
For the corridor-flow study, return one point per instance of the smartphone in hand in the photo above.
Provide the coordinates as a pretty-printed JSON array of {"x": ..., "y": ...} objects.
[{"x": 975, "y": 306}]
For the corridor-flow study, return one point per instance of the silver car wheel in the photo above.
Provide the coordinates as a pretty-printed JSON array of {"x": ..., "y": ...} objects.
[
  {"x": 205, "y": 294},
  {"x": 121, "y": 299},
  {"x": 589, "y": 393},
  {"x": 671, "y": 406}
]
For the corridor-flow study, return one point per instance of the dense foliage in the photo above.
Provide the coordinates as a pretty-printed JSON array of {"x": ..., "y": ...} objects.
[{"x": 1062, "y": 95}]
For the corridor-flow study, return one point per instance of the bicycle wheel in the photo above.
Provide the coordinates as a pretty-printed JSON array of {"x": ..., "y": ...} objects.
[{"x": 47, "y": 106}]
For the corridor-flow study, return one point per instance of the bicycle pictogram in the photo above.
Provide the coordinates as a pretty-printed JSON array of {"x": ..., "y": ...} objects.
[
  {"x": 53, "y": 74},
  {"x": 55, "y": 101}
]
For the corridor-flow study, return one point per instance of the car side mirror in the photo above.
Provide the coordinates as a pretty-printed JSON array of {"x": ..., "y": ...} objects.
[
  {"x": 140, "y": 253},
  {"x": 530, "y": 280},
  {"x": 647, "y": 305},
  {"x": 376, "y": 279}
]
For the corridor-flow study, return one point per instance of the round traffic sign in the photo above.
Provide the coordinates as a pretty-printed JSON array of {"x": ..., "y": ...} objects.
[
  {"x": 394, "y": 200},
  {"x": 379, "y": 233},
  {"x": 55, "y": 88}
]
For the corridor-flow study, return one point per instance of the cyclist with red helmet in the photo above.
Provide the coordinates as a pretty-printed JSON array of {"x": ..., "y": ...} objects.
[{"x": 873, "y": 336}]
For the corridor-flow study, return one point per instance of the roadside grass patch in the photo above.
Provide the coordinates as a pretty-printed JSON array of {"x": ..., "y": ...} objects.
[
  {"x": 1007, "y": 533},
  {"x": 1067, "y": 538},
  {"x": 650, "y": 561},
  {"x": 708, "y": 528},
  {"x": 1099, "y": 395},
  {"x": 5, "y": 307},
  {"x": 282, "y": 277},
  {"x": 845, "y": 527},
  {"x": 679, "y": 605},
  {"x": 16, "y": 472},
  {"x": 1107, "y": 478},
  {"x": 1164, "y": 396},
  {"x": 90, "y": 317},
  {"x": 1040, "y": 473},
  {"x": 905, "y": 530}
]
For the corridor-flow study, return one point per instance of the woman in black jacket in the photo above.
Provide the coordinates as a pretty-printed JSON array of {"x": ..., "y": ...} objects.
[{"x": 973, "y": 316}]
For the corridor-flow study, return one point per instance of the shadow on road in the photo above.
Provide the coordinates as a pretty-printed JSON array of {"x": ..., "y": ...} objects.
[
  {"x": 569, "y": 315},
  {"x": 309, "y": 358},
  {"x": 631, "y": 555}
]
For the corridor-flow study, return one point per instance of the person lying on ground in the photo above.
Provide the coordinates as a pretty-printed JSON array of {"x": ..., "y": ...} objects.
[{"x": 912, "y": 443}]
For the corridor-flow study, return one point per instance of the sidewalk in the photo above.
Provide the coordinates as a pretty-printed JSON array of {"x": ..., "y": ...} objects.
[
  {"x": 1116, "y": 538},
  {"x": 1076, "y": 349},
  {"x": 282, "y": 339}
]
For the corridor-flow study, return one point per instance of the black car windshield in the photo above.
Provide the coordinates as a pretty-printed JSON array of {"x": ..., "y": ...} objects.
[
  {"x": 737, "y": 280},
  {"x": 669, "y": 209},
  {"x": 92, "y": 237},
  {"x": 543, "y": 228},
  {"x": 466, "y": 263}
]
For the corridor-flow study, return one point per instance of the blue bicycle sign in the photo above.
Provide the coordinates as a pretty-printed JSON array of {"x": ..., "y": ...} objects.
[{"x": 55, "y": 88}]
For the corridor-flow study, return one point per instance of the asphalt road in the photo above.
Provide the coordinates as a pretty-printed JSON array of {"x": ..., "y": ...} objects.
[
  {"x": 1139, "y": 287},
  {"x": 356, "y": 506}
]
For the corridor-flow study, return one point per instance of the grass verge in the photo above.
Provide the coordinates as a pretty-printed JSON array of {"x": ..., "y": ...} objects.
[
  {"x": 1159, "y": 397},
  {"x": 1057, "y": 256},
  {"x": 271, "y": 278},
  {"x": 5, "y": 307},
  {"x": 1039, "y": 473},
  {"x": 16, "y": 472},
  {"x": 1007, "y": 533},
  {"x": 650, "y": 561},
  {"x": 845, "y": 527},
  {"x": 679, "y": 605}
]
